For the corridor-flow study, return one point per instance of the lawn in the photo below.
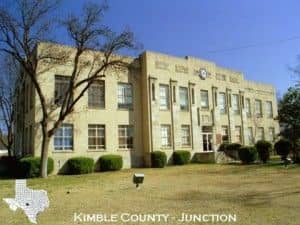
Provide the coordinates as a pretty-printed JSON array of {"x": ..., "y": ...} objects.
[{"x": 257, "y": 194}]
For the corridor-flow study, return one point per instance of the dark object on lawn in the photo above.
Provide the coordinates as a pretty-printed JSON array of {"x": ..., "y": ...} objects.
[
  {"x": 138, "y": 178},
  {"x": 287, "y": 161}
]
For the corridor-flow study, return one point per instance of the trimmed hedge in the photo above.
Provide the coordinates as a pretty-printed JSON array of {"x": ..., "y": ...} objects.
[
  {"x": 30, "y": 166},
  {"x": 110, "y": 162},
  {"x": 181, "y": 157},
  {"x": 80, "y": 165},
  {"x": 263, "y": 149},
  {"x": 247, "y": 154},
  {"x": 230, "y": 149},
  {"x": 158, "y": 159},
  {"x": 283, "y": 148}
]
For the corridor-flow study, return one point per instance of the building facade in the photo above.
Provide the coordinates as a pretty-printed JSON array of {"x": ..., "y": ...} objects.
[{"x": 161, "y": 103}]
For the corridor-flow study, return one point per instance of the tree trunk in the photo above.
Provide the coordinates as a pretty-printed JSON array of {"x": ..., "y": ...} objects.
[{"x": 44, "y": 154}]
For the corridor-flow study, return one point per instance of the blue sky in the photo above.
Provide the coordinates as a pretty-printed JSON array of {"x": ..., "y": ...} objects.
[{"x": 198, "y": 27}]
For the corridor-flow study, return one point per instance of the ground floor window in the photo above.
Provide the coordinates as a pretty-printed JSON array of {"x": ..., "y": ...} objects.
[
  {"x": 63, "y": 138},
  {"x": 125, "y": 136},
  {"x": 207, "y": 142},
  {"x": 96, "y": 133},
  {"x": 165, "y": 134},
  {"x": 237, "y": 133}
]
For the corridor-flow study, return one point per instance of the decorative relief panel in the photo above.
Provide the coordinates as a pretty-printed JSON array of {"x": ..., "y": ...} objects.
[
  {"x": 221, "y": 77},
  {"x": 233, "y": 80},
  {"x": 181, "y": 69},
  {"x": 161, "y": 65}
]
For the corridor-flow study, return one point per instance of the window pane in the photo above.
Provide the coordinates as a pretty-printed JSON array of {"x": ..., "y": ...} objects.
[
  {"x": 164, "y": 96},
  {"x": 183, "y": 93},
  {"x": 204, "y": 99},
  {"x": 124, "y": 95}
]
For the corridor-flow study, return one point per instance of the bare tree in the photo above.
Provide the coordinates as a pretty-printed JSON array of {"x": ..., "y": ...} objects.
[
  {"x": 19, "y": 37},
  {"x": 7, "y": 90}
]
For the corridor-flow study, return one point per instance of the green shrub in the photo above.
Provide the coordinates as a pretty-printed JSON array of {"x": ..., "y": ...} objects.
[
  {"x": 80, "y": 165},
  {"x": 263, "y": 149},
  {"x": 110, "y": 162},
  {"x": 158, "y": 159},
  {"x": 232, "y": 150},
  {"x": 283, "y": 148},
  {"x": 181, "y": 157},
  {"x": 223, "y": 146},
  {"x": 247, "y": 154},
  {"x": 30, "y": 166}
]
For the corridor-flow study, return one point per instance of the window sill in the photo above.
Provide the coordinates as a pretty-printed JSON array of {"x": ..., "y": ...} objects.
[
  {"x": 96, "y": 150},
  {"x": 125, "y": 109},
  {"x": 204, "y": 108},
  {"x": 63, "y": 151},
  {"x": 95, "y": 107},
  {"x": 164, "y": 110},
  {"x": 166, "y": 148}
]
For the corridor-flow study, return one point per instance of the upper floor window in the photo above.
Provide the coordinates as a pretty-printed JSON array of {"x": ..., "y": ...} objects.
[
  {"x": 204, "y": 99},
  {"x": 63, "y": 137},
  {"x": 222, "y": 102},
  {"x": 185, "y": 135},
  {"x": 164, "y": 97},
  {"x": 125, "y": 136},
  {"x": 165, "y": 134},
  {"x": 184, "y": 98},
  {"x": 269, "y": 109},
  {"x": 248, "y": 107},
  {"x": 96, "y": 134},
  {"x": 235, "y": 103},
  {"x": 96, "y": 94},
  {"x": 258, "y": 108},
  {"x": 61, "y": 88},
  {"x": 124, "y": 95}
]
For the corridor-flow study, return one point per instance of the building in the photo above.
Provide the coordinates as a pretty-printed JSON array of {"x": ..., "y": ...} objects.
[{"x": 162, "y": 103}]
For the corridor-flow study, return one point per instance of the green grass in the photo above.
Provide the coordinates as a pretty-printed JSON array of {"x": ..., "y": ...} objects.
[{"x": 257, "y": 194}]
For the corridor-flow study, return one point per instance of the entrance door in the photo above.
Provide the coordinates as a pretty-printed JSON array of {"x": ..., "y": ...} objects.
[{"x": 207, "y": 142}]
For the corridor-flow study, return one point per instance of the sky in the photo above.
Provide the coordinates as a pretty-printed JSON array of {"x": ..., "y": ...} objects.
[{"x": 216, "y": 30}]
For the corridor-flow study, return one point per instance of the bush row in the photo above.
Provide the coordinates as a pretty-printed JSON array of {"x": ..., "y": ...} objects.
[
  {"x": 29, "y": 167},
  {"x": 261, "y": 149},
  {"x": 159, "y": 158}
]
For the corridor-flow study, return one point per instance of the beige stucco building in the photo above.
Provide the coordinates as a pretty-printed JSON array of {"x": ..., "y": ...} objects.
[{"x": 161, "y": 103}]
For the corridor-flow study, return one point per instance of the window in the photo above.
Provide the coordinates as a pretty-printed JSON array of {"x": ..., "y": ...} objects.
[
  {"x": 96, "y": 134},
  {"x": 61, "y": 88},
  {"x": 193, "y": 96},
  {"x": 272, "y": 134},
  {"x": 174, "y": 93},
  {"x": 269, "y": 109},
  {"x": 165, "y": 134},
  {"x": 125, "y": 136},
  {"x": 163, "y": 97},
  {"x": 248, "y": 107},
  {"x": 225, "y": 137},
  {"x": 124, "y": 95},
  {"x": 96, "y": 95},
  {"x": 32, "y": 95},
  {"x": 185, "y": 135},
  {"x": 184, "y": 99},
  {"x": 235, "y": 104},
  {"x": 258, "y": 108},
  {"x": 250, "y": 138},
  {"x": 63, "y": 138},
  {"x": 237, "y": 134},
  {"x": 222, "y": 102},
  {"x": 153, "y": 91},
  {"x": 260, "y": 133},
  {"x": 204, "y": 99}
]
